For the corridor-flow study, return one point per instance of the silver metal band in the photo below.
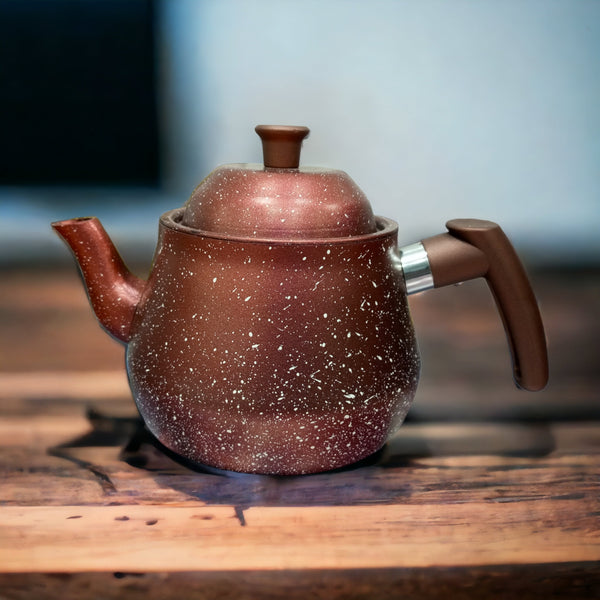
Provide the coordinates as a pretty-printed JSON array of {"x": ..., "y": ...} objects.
[{"x": 415, "y": 265}]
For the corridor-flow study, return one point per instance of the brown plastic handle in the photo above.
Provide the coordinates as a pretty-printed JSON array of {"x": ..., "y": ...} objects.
[{"x": 475, "y": 248}]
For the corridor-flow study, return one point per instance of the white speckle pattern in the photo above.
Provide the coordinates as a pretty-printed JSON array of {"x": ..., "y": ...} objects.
[{"x": 263, "y": 373}]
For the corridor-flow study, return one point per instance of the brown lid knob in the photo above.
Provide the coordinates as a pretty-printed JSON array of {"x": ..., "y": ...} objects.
[{"x": 282, "y": 144}]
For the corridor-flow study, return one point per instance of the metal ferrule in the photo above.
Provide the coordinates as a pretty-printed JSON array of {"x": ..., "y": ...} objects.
[{"x": 416, "y": 269}]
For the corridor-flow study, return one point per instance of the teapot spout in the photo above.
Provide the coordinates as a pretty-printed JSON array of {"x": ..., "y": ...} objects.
[{"x": 114, "y": 291}]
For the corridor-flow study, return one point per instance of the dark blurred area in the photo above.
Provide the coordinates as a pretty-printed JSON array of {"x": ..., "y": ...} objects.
[{"x": 78, "y": 93}]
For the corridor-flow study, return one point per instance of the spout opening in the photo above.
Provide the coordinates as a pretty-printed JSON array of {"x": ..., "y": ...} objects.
[{"x": 67, "y": 222}]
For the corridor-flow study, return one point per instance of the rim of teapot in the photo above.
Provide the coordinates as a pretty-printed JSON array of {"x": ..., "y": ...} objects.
[{"x": 172, "y": 220}]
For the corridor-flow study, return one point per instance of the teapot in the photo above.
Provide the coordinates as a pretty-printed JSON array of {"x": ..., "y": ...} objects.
[{"x": 273, "y": 334}]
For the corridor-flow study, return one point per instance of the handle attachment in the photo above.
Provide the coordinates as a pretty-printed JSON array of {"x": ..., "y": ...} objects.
[{"x": 474, "y": 248}]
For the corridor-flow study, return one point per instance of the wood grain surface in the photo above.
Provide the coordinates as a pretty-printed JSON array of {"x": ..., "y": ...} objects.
[{"x": 485, "y": 491}]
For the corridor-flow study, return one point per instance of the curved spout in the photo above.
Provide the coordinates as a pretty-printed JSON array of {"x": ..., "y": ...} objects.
[{"x": 113, "y": 290}]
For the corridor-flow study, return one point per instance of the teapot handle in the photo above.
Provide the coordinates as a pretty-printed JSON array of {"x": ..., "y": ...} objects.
[{"x": 475, "y": 248}]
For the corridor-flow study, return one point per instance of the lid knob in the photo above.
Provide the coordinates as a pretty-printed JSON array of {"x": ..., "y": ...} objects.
[{"x": 282, "y": 144}]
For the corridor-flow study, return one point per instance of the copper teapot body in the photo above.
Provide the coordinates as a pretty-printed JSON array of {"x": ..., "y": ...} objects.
[
  {"x": 273, "y": 357},
  {"x": 293, "y": 353}
]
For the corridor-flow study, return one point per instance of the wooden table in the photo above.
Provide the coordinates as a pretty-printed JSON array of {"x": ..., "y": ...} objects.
[{"x": 485, "y": 491}]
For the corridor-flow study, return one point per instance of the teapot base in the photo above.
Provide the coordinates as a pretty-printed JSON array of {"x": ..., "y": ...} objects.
[{"x": 129, "y": 454}]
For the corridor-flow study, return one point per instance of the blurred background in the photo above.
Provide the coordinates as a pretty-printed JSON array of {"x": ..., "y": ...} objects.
[{"x": 437, "y": 109}]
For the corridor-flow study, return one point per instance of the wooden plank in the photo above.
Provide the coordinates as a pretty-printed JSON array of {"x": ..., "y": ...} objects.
[
  {"x": 77, "y": 385},
  {"x": 150, "y": 538},
  {"x": 526, "y": 582},
  {"x": 61, "y": 461},
  {"x": 57, "y": 482},
  {"x": 47, "y": 325}
]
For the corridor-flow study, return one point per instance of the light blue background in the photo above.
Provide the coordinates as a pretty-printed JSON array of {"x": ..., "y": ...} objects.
[{"x": 437, "y": 109}]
